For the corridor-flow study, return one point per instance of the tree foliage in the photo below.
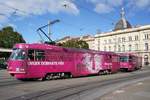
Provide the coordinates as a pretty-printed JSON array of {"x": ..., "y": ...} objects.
[
  {"x": 76, "y": 44},
  {"x": 8, "y": 37}
]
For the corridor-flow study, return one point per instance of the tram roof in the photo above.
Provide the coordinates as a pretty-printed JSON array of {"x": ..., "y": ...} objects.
[{"x": 42, "y": 46}]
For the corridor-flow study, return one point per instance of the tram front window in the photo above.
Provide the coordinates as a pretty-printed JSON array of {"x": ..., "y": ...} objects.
[
  {"x": 124, "y": 59},
  {"x": 17, "y": 54}
]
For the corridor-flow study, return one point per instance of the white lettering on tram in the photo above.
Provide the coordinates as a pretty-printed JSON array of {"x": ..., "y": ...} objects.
[
  {"x": 108, "y": 64},
  {"x": 46, "y": 63}
]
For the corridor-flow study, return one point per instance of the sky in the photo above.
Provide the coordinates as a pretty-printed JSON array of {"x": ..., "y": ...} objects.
[{"x": 77, "y": 17}]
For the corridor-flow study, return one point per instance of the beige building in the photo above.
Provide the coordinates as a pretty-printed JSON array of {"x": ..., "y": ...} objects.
[{"x": 123, "y": 39}]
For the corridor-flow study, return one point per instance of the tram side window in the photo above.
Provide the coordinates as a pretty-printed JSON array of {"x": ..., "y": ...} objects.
[
  {"x": 31, "y": 55},
  {"x": 36, "y": 55},
  {"x": 110, "y": 57},
  {"x": 39, "y": 55}
]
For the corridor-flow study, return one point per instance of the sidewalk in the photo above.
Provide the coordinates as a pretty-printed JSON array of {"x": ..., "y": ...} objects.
[
  {"x": 137, "y": 91},
  {"x": 146, "y": 67}
]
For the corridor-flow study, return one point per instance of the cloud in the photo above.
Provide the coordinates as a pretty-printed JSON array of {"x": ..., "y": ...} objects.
[
  {"x": 26, "y": 8},
  {"x": 107, "y": 6},
  {"x": 115, "y": 3},
  {"x": 139, "y": 4},
  {"x": 3, "y": 18},
  {"x": 103, "y": 8},
  {"x": 142, "y": 3},
  {"x": 12, "y": 25}
]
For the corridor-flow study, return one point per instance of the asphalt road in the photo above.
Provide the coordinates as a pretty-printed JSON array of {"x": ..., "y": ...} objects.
[{"x": 85, "y": 88}]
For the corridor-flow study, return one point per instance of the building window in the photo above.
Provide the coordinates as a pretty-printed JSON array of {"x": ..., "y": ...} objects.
[
  {"x": 146, "y": 47},
  {"x": 123, "y": 48},
  {"x": 105, "y": 49},
  {"x": 130, "y": 47},
  {"x": 146, "y": 60},
  {"x": 119, "y": 48},
  {"x": 123, "y": 39},
  {"x": 114, "y": 47},
  {"x": 119, "y": 39},
  {"x": 98, "y": 48},
  {"x": 114, "y": 40},
  {"x": 136, "y": 47},
  {"x": 130, "y": 38},
  {"x": 136, "y": 38},
  {"x": 105, "y": 41},
  {"x": 98, "y": 44},
  {"x": 109, "y": 40},
  {"x": 109, "y": 48},
  {"x": 146, "y": 36}
]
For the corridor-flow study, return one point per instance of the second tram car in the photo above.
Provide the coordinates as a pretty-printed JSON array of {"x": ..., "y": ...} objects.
[{"x": 130, "y": 62}]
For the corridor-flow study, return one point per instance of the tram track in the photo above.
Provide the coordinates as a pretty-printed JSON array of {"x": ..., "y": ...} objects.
[
  {"x": 3, "y": 78},
  {"x": 67, "y": 91},
  {"x": 9, "y": 83}
]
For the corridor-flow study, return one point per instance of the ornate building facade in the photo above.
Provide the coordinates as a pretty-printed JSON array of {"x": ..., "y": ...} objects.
[
  {"x": 126, "y": 39},
  {"x": 123, "y": 39},
  {"x": 134, "y": 40}
]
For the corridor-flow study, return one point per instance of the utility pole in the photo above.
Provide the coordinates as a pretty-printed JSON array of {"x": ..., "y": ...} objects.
[{"x": 40, "y": 30}]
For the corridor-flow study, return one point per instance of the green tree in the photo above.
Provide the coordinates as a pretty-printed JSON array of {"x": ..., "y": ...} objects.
[
  {"x": 8, "y": 37},
  {"x": 83, "y": 44},
  {"x": 75, "y": 44}
]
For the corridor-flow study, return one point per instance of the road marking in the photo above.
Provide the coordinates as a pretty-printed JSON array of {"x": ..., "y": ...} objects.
[
  {"x": 140, "y": 83},
  {"x": 118, "y": 91}
]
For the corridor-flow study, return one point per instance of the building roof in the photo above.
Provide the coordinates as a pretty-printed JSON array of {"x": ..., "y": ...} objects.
[
  {"x": 5, "y": 50},
  {"x": 122, "y": 23},
  {"x": 134, "y": 29}
]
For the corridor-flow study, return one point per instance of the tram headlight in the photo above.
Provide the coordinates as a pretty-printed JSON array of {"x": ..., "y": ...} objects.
[{"x": 17, "y": 69}]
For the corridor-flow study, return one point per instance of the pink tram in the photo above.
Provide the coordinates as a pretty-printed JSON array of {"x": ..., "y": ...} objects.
[
  {"x": 44, "y": 61},
  {"x": 130, "y": 62}
]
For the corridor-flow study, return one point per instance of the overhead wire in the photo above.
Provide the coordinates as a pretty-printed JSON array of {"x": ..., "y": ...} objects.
[
  {"x": 17, "y": 10},
  {"x": 89, "y": 11},
  {"x": 12, "y": 13},
  {"x": 93, "y": 12},
  {"x": 69, "y": 24}
]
